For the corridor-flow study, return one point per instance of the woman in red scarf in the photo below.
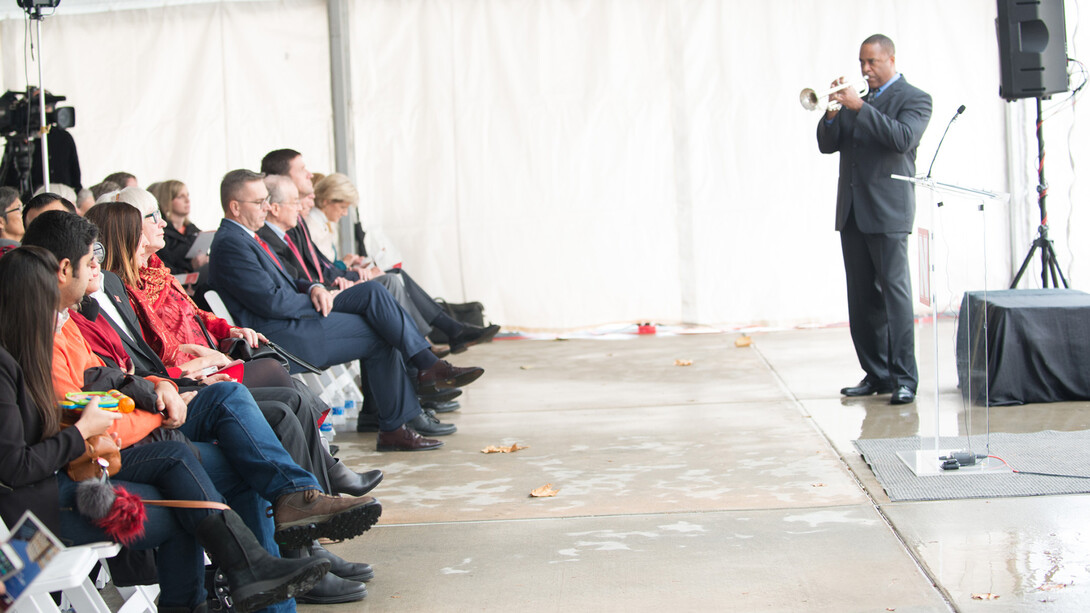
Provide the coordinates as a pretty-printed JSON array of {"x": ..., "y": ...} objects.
[{"x": 172, "y": 323}]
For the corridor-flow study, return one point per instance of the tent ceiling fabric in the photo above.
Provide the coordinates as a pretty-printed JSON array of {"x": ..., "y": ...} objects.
[{"x": 567, "y": 163}]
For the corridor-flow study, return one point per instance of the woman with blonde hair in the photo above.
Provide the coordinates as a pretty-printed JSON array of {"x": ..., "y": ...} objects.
[{"x": 180, "y": 232}]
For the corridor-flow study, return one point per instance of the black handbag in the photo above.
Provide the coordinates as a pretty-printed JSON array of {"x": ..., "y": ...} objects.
[
  {"x": 239, "y": 349},
  {"x": 466, "y": 313}
]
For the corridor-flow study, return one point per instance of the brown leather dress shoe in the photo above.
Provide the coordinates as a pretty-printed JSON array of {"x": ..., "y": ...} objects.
[
  {"x": 302, "y": 517},
  {"x": 443, "y": 375},
  {"x": 405, "y": 439}
]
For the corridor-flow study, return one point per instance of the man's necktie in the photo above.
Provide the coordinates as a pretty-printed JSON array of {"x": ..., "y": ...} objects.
[
  {"x": 298, "y": 256},
  {"x": 265, "y": 246},
  {"x": 310, "y": 247}
]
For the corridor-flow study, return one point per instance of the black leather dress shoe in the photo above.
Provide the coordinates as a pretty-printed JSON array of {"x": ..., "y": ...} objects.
[
  {"x": 865, "y": 388},
  {"x": 353, "y": 571},
  {"x": 902, "y": 395},
  {"x": 472, "y": 335},
  {"x": 344, "y": 480},
  {"x": 440, "y": 395},
  {"x": 333, "y": 590},
  {"x": 427, "y": 424},
  {"x": 441, "y": 407},
  {"x": 405, "y": 439},
  {"x": 443, "y": 375}
]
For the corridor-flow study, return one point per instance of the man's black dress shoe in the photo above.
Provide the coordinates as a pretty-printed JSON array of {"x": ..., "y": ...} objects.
[
  {"x": 441, "y": 407},
  {"x": 902, "y": 395},
  {"x": 427, "y": 424},
  {"x": 440, "y": 395},
  {"x": 865, "y": 388},
  {"x": 344, "y": 480},
  {"x": 353, "y": 571},
  {"x": 443, "y": 375},
  {"x": 405, "y": 439},
  {"x": 472, "y": 335},
  {"x": 333, "y": 590}
]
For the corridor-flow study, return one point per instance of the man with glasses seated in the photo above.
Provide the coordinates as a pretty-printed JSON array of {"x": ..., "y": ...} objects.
[{"x": 11, "y": 224}]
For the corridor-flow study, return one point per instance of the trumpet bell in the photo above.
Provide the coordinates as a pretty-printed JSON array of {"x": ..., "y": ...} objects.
[{"x": 812, "y": 100}]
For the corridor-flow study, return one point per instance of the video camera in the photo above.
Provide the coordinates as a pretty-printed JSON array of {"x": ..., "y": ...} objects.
[{"x": 19, "y": 113}]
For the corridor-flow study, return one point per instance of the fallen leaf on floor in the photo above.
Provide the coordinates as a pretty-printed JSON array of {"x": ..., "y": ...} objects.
[
  {"x": 890, "y": 609},
  {"x": 511, "y": 449},
  {"x": 742, "y": 341},
  {"x": 817, "y": 485},
  {"x": 544, "y": 491},
  {"x": 985, "y": 596},
  {"x": 525, "y": 367},
  {"x": 1051, "y": 587},
  {"x": 683, "y": 362}
]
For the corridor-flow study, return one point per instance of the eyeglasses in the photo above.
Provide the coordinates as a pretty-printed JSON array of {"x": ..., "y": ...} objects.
[
  {"x": 98, "y": 252},
  {"x": 267, "y": 200},
  {"x": 155, "y": 216},
  {"x": 13, "y": 210}
]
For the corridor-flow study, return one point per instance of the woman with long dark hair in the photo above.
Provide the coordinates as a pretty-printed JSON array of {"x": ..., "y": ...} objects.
[
  {"x": 173, "y": 325},
  {"x": 34, "y": 450}
]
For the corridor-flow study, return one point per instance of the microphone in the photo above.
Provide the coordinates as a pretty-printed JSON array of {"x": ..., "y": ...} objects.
[{"x": 961, "y": 109}]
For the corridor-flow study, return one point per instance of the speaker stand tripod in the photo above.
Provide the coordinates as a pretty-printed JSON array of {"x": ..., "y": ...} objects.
[{"x": 1050, "y": 267}]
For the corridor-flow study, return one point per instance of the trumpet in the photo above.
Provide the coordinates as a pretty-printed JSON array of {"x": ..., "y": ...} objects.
[{"x": 811, "y": 100}]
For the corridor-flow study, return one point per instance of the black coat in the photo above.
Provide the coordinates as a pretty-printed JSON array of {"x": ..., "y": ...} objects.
[{"x": 28, "y": 465}]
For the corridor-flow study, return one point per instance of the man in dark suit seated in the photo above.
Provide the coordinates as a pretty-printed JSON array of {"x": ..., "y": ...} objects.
[
  {"x": 361, "y": 322},
  {"x": 877, "y": 137}
]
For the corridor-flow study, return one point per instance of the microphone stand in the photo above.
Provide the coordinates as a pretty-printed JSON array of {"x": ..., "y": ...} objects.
[{"x": 1050, "y": 266}]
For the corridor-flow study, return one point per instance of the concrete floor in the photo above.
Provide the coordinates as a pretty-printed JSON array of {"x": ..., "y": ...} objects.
[{"x": 727, "y": 485}]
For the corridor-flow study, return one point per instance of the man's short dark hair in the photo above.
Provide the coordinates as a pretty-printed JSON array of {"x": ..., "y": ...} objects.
[
  {"x": 278, "y": 162},
  {"x": 883, "y": 41},
  {"x": 232, "y": 184},
  {"x": 121, "y": 177},
  {"x": 7, "y": 196},
  {"x": 45, "y": 198},
  {"x": 65, "y": 234},
  {"x": 104, "y": 188}
]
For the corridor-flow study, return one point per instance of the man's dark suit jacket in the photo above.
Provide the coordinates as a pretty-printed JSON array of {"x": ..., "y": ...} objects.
[
  {"x": 262, "y": 295},
  {"x": 877, "y": 141},
  {"x": 292, "y": 265}
]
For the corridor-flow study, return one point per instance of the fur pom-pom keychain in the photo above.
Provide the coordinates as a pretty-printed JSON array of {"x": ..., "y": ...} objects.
[{"x": 119, "y": 513}]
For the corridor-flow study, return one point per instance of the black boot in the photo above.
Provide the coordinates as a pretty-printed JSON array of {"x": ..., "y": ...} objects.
[{"x": 257, "y": 579}]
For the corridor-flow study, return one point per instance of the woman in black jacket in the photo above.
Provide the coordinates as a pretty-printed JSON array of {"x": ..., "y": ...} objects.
[{"x": 33, "y": 448}]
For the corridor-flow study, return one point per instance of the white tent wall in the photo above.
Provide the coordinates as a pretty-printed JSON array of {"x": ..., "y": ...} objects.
[
  {"x": 185, "y": 91},
  {"x": 643, "y": 160},
  {"x": 572, "y": 163}
]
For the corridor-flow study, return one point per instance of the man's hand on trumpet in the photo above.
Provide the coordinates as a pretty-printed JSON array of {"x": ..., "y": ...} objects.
[{"x": 847, "y": 97}]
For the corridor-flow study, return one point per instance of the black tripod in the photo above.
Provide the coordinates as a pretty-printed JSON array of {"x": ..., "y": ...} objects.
[{"x": 1050, "y": 267}]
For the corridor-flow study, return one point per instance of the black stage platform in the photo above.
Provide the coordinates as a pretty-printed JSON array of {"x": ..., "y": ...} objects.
[{"x": 1038, "y": 345}]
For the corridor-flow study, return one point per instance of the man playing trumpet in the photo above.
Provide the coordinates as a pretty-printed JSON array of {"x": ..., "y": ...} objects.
[{"x": 877, "y": 137}]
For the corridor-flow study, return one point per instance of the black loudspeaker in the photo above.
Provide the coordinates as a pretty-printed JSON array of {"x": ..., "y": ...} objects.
[{"x": 1032, "y": 48}]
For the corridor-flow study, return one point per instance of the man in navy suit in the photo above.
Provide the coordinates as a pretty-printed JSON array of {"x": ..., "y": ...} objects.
[
  {"x": 361, "y": 322},
  {"x": 878, "y": 137}
]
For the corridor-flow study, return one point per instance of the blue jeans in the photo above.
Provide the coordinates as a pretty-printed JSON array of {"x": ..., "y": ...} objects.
[
  {"x": 226, "y": 413},
  {"x": 156, "y": 471}
]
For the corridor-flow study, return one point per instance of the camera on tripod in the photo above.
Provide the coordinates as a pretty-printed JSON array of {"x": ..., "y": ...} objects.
[{"x": 20, "y": 113}]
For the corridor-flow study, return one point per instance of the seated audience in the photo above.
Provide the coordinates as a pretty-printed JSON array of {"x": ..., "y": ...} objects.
[
  {"x": 223, "y": 412},
  {"x": 35, "y": 450},
  {"x": 114, "y": 332},
  {"x": 361, "y": 322},
  {"x": 173, "y": 199}
]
